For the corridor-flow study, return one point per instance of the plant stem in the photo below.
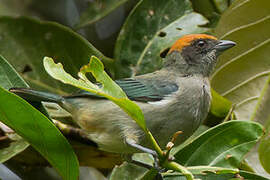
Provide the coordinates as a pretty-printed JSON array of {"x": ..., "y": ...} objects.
[
  {"x": 177, "y": 167},
  {"x": 164, "y": 158},
  {"x": 154, "y": 144}
]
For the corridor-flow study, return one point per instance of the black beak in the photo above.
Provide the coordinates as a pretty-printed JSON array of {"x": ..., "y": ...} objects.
[{"x": 224, "y": 45}]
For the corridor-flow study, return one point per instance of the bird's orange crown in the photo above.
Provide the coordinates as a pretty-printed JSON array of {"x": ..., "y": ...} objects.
[{"x": 187, "y": 39}]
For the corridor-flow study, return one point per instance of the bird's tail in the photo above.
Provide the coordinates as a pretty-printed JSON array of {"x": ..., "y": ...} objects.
[{"x": 36, "y": 96}]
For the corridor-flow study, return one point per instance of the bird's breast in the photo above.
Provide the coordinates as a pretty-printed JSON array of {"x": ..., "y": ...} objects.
[{"x": 183, "y": 110}]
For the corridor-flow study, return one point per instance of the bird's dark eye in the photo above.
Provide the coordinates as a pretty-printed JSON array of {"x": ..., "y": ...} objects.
[{"x": 201, "y": 43}]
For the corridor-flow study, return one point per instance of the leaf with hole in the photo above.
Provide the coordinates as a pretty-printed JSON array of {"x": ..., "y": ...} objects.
[
  {"x": 109, "y": 88},
  {"x": 149, "y": 31}
]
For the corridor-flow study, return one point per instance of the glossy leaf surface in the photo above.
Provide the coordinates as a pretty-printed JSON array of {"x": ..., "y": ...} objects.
[
  {"x": 224, "y": 145},
  {"x": 39, "y": 131}
]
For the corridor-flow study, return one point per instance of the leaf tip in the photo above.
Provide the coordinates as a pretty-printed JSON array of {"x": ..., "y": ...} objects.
[{"x": 95, "y": 62}]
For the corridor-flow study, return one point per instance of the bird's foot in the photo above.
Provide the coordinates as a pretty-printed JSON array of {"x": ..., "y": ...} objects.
[{"x": 158, "y": 159}]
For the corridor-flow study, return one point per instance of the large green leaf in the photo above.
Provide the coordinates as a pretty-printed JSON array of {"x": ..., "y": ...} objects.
[
  {"x": 24, "y": 42},
  {"x": 224, "y": 145},
  {"x": 40, "y": 132},
  {"x": 10, "y": 78},
  {"x": 262, "y": 115},
  {"x": 97, "y": 10},
  {"x": 109, "y": 88},
  {"x": 243, "y": 70},
  {"x": 149, "y": 30}
]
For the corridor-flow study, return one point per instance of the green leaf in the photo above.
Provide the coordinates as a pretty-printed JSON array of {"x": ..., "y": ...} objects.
[
  {"x": 127, "y": 171},
  {"x": 243, "y": 70},
  {"x": 262, "y": 115},
  {"x": 10, "y": 78},
  {"x": 151, "y": 174},
  {"x": 24, "y": 42},
  {"x": 264, "y": 150},
  {"x": 211, "y": 9},
  {"x": 13, "y": 149},
  {"x": 220, "y": 106},
  {"x": 205, "y": 173},
  {"x": 40, "y": 132},
  {"x": 224, "y": 145},
  {"x": 109, "y": 88},
  {"x": 152, "y": 27},
  {"x": 209, "y": 175},
  {"x": 97, "y": 10}
]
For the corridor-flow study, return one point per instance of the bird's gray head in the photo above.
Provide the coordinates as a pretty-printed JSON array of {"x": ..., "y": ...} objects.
[{"x": 196, "y": 54}]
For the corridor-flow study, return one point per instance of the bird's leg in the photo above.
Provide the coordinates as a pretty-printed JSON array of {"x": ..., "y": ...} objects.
[
  {"x": 147, "y": 166},
  {"x": 166, "y": 154},
  {"x": 133, "y": 144}
]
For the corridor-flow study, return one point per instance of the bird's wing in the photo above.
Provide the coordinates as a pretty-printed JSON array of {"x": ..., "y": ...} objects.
[
  {"x": 140, "y": 89},
  {"x": 146, "y": 90}
]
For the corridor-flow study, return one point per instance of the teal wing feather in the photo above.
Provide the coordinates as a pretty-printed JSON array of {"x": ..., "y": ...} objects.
[{"x": 140, "y": 89}]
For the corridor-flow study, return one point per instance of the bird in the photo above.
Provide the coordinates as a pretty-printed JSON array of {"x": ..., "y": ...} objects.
[{"x": 176, "y": 97}]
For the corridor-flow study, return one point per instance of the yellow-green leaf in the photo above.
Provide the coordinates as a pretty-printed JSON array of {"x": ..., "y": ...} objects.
[{"x": 109, "y": 88}]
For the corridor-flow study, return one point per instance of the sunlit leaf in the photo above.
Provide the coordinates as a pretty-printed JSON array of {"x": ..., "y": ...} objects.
[{"x": 109, "y": 88}]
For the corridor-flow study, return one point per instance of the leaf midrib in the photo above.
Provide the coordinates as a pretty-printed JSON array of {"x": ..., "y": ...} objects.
[{"x": 212, "y": 137}]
